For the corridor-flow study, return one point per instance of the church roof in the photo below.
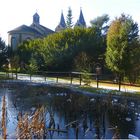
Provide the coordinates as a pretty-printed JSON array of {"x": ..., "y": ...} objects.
[
  {"x": 24, "y": 28},
  {"x": 36, "y": 15},
  {"x": 42, "y": 29},
  {"x": 36, "y": 18},
  {"x": 62, "y": 24},
  {"x": 62, "y": 21},
  {"x": 47, "y": 30},
  {"x": 81, "y": 20}
]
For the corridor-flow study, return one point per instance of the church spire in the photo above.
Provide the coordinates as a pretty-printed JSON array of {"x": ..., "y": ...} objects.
[
  {"x": 62, "y": 24},
  {"x": 81, "y": 20},
  {"x": 62, "y": 20},
  {"x": 36, "y": 18}
]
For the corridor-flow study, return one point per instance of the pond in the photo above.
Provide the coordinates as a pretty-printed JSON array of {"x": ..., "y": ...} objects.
[{"x": 76, "y": 115}]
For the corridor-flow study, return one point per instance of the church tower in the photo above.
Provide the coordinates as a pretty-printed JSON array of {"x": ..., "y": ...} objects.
[
  {"x": 81, "y": 21},
  {"x": 62, "y": 24},
  {"x": 36, "y": 18}
]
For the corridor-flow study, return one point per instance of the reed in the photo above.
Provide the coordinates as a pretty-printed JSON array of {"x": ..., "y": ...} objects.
[
  {"x": 3, "y": 120},
  {"x": 32, "y": 127}
]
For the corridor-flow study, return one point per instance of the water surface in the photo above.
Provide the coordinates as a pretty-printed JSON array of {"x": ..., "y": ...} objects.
[{"x": 93, "y": 116}]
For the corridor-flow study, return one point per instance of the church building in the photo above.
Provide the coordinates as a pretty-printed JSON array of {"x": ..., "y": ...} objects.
[
  {"x": 24, "y": 32},
  {"x": 36, "y": 30}
]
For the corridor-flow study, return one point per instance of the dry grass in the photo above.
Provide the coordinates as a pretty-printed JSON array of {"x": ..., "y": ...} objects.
[
  {"x": 33, "y": 127},
  {"x": 29, "y": 127},
  {"x": 3, "y": 120}
]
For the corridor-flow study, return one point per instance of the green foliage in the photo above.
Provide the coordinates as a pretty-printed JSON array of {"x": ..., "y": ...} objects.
[
  {"x": 32, "y": 48},
  {"x": 4, "y": 55},
  {"x": 82, "y": 64},
  {"x": 122, "y": 44},
  {"x": 32, "y": 67},
  {"x": 69, "y": 22},
  {"x": 57, "y": 52},
  {"x": 86, "y": 78},
  {"x": 101, "y": 23},
  {"x": 15, "y": 63},
  {"x": 25, "y": 51}
]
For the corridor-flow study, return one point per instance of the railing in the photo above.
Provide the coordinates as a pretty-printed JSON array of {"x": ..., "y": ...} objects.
[{"x": 69, "y": 77}]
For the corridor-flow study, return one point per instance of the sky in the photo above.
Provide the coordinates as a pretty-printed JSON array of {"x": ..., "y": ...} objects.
[{"x": 14, "y": 13}]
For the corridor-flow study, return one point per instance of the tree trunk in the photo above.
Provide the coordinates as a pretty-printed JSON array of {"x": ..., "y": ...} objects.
[
  {"x": 30, "y": 77},
  {"x": 119, "y": 82}
]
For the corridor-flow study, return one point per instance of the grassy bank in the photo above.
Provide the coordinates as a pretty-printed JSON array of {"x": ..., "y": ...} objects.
[{"x": 108, "y": 91}]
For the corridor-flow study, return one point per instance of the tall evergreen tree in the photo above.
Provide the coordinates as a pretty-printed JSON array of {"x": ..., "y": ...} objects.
[
  {"x": 100, "y": 25},
  {"x": 122, "y": 43},
  {"x": 69, "y": 22}
]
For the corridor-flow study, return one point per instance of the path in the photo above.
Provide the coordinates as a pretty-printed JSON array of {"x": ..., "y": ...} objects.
[{"x": 40, "y": 79}]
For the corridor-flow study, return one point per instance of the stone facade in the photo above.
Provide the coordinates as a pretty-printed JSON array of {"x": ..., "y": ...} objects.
[{"x": 24, "y": 32}]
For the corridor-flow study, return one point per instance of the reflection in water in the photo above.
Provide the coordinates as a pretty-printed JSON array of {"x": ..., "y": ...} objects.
[{"x": 74, "y": 115}]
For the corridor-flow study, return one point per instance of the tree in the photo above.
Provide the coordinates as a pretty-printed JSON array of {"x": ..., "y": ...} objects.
[
  {"x": 29, "y": 48},
  {"x": 69, "y": 22},
  {"x": 15, "y": 64},
  {"x": 25, "y": 50},
  {"x": 57, "y": 51},
  {"x": 122, "y": 40},
  {"x": 101, "y": 23},
  {"x": 3, "y": 53},
  {"x": 32, "y": 67},
  {"x": 82, "y": 64}
]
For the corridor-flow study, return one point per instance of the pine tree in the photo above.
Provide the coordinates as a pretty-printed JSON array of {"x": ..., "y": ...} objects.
[
  {"x": 122, "y": 45},
  {"x": 69, "y": 22}
]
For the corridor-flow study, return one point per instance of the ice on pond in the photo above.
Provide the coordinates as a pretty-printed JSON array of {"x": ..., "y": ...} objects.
[
  {"x": 33, "y": 109},
  {"x": 130, "y": 136},
  {"x": 136, "y": 114},
  {"x": 49, "y": 94},
  {"x": 92, "y": 100},
  {"x": 69, "y": 100},
  {"x": 132, "y": 104},
  {"x": 128, "y": 119}
]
